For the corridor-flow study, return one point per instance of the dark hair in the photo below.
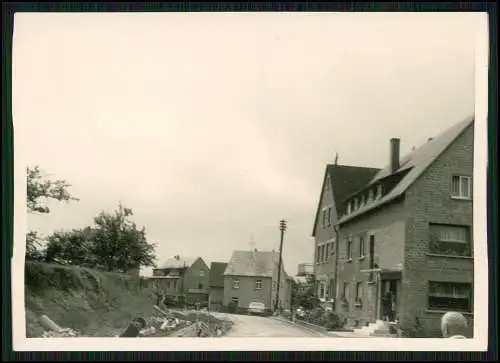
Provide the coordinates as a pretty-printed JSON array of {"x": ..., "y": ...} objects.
[{"x": 141, "y": 321}]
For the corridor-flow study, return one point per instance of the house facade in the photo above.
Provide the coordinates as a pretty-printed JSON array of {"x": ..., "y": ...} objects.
[
  {"x": 216, "y": 286},
  {"x": 252, "y": 276},
  {"x": 186, "y": 280},
  {"x": 339, "y": 181},
  {"x": 409, "y": 231},
  {"x": 305, "y": 269}
]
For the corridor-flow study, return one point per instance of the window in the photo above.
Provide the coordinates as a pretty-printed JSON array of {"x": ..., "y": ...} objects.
[
  {"x": 318, "y": 251},
  {"x": 450, "y": 240},
  {"x": 329, "y": 221},
  {"x": 327, "y": 247},
  {"x": 175, "y": 284},
  {"x": 349, "y": 249},
  {"x": 362, "y": 201},
  {"x": 461, "y": 187},
  {"x": 324, "y": 218},
  {"x": 379, "y": 191},
  {"x": 332, "y": 248},
  {"x": 321, "y": 293},
  {"x": 370, "y": 196},
  {"x": 448, "y": 296},
  {"x": 258, "y": 284},
  {"x": 349, "y": 207},
  {"x": 345, "y": 291},
  {"x": 236, "y": 284},
  {"x": 355, "y": 202},
  {"x": 235, "y": 300},
  {"x": 362, "y": 247},
  {"x": 202, "y": 273},
  {"x": 322, "y": 253},
  {"x": 359, "y": 292}
]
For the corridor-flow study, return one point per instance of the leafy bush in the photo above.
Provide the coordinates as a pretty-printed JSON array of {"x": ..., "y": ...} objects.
[
  {"x": 333, "y": 321},
  {"x": 232, "y": 307}
]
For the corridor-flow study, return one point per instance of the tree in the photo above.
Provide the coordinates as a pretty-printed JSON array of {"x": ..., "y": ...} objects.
[
  {"x": 304, "y": 295},
  {"x": 118, "y": 244},
  {"x": 39, "y": 190},
  {"x": 72, "y": 247},
  {"x": 33, "y": 243}
]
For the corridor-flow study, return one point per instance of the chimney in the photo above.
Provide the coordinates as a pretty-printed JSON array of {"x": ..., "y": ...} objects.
[{"x": 395, "y": 143}]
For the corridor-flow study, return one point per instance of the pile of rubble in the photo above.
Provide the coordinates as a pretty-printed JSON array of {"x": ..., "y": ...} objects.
[
  {"x": 206, "y": 325},
  {"x": 52, "y": 330},
  {"x": 164, "y": 323}
]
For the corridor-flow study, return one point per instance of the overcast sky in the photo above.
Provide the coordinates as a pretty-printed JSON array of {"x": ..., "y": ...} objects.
[{"x": 213, "y": 127}]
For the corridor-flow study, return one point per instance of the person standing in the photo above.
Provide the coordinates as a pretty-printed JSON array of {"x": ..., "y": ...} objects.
[
  {"x": 387, "y": 306},
  {"x": 392, "y": 317}
]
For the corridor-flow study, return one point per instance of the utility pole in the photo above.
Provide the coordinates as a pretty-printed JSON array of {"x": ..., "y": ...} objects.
[{"x": 282, "y": 230}]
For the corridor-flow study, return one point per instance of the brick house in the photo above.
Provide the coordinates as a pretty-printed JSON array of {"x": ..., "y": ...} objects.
[
  {"x": 339, "y": 181},
  {"x": 183, "y": 279},
  {"x": 409, "y": 231},
  {"x": 216, "y": 285},
  {"x": 251, "y": 276}
]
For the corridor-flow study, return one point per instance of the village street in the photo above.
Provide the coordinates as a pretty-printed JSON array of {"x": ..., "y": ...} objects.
[{"x": 257, "y": 326}]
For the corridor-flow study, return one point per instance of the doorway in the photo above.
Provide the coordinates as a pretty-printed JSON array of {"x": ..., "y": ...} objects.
[{"x": 392, "y": 285}]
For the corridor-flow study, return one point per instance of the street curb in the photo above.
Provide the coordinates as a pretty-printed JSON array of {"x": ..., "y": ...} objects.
[
  {"x": 311, "y": 327},
  {"x": 322, "y": 330}
]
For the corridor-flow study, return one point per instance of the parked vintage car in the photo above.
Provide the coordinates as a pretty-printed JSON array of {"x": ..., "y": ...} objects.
[{"x": 256, "y": 308}]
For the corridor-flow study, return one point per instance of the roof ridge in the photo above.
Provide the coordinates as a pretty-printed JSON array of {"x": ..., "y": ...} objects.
[{"x": 422, "y": 158}]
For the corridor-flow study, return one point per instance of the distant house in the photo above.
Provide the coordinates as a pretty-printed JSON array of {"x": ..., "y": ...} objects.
[
  {"x": 408, "y": 230},
  {"x": 252, "y": 276},
  {"x": 184, "y": 279},
  {"x": 339, "y": 181},
  {"x": 216, "y": 285},
  {"x": 305, "y": 269}
]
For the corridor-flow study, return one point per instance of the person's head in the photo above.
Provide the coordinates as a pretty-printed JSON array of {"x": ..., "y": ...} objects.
[
  {"x": 453, "y": 323},
  {"x": 140, "y": 323}
]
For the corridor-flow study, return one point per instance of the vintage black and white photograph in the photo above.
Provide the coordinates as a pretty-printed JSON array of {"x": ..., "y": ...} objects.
[{"x": 205, "y": 176}]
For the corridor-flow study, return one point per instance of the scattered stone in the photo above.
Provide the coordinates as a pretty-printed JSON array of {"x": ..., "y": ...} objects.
[
  {"x": 62, "y": 333},
  {"x": 49, "y": 324},
  {"x": 148, "y": 331}
]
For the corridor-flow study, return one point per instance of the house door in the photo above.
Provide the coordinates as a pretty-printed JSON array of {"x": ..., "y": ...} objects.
[{"x": 391, "y": 285}]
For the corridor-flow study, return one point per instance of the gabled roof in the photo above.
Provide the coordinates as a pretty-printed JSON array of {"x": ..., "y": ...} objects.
[
  {"x": 344, "y": 180},
  {"x": 414, "y": 163},
  {"x": 217, "y": 274},
  {"x": 252, "y": 263},
  {"x": 181, "y": 262}
]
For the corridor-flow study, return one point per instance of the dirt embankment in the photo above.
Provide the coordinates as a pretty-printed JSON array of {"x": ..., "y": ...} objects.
[{"x": 95, "y": 303}]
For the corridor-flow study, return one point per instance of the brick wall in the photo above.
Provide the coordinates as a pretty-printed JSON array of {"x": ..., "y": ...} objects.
[
  {"x": 198, "y": 273},
  {"x": 429, "y": 199},
  {"x": 325, "y": 270},
  {"x": 247, "y": 292},
  {"x": 388, "y": 226}
]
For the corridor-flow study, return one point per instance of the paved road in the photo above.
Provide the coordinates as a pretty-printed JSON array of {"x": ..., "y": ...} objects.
[{"x": 256, "y": 326}]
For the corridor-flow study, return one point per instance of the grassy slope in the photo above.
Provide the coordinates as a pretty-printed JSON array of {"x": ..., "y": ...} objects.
[{"x": 95, "y": 303}]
